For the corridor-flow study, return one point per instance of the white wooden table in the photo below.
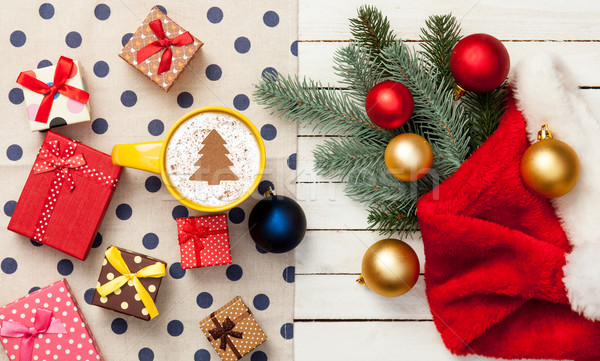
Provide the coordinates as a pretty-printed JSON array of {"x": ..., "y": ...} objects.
[{"x": 336, "y": 319}]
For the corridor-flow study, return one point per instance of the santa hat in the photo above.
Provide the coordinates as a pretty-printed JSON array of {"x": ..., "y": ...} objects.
[{"x": 510, "y": 274}]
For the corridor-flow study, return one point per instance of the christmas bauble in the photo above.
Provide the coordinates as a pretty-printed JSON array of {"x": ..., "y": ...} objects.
[
  {"x": 408, "y": 157},
  {"x": 277, "y": 223},
  {"x": 389, "y": 104},
  {"x": 549, "y": 167},
  {"x": 390, "y": 267},
  {"x": 479, "y": 63}
]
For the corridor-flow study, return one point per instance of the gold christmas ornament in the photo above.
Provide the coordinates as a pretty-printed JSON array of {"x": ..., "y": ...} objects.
[
  {"x": 408, "y": 157},
  {"x": 390, "y": 268},
  {"x": 549, "y": 167}
]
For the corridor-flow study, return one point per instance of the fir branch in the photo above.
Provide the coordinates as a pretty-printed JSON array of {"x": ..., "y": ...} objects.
[
  {"x": 353, "y": 65},
  {"x": 484, "y": 111},
  {"x": 441, "y": 34},
  {"x": 392, "y": 218},
  {"x": 372, "y": 30}
]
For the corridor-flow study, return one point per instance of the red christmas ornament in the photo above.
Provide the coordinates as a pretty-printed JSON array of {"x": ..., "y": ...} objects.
[
  {"x": 389, "y": 104},
  {"x": 479, "y": 63}
]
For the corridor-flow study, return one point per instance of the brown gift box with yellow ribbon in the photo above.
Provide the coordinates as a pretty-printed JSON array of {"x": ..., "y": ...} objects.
[{"x": 232, "y": 330}]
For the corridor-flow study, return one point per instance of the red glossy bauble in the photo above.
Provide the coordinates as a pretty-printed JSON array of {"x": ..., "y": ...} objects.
[
  {"x": 479, "y": 63},
  {"x": 389, "y": 104}
]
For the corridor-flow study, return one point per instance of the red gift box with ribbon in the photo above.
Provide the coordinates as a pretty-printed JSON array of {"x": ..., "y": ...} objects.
[
  {"x": 66, "y": 195},
  {"x": 203, "y": 241}
]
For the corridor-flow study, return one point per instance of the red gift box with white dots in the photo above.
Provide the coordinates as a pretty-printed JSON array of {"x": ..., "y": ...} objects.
[
  {"x": 203, "y": 241},
  {"x": 49, "y": 211}
]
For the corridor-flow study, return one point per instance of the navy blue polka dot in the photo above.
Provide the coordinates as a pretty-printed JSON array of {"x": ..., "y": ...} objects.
[
  {"x": 242, "y": 45},
  {"x": 263, "y": 186},
  {"x": 176, "y": 271},
  {"x": 33, "y": 289},
  {"x": 202, "y": 355},
  {"x": 73, "y": 39},
  {"x": 260, "y": 250},
  {"x": 179, "y": 211},
  {"x": 261, "y": 302},
  {"x": 15, "y": 95},
  {"x": 150, "y": 241},
  {"x": 102, "y": 11},
  {"x": 271, "y": 19},
  {"x": 14, "y": 152},
  {"x": 213, "y": 72},
  {"x": 270, "y": 74},
  {"x": 101, "y": 69},
  {"x": 99, "y": 126},
  {"x": 185, "y": 99},
  {"x": 237, "y": 215},
  {"x": 44, "y": 63},
  {"x": 289, "y": 274},
  {"x": 241, "y": 102},
  {"x": 175, "y": 328},
  {"x": 146, "y": 354},
  {"x": 156, "y": 127},
  {"x": 124, "y": 211},
  {"x": 204, "y": 300},
  {"x": 287, "y": 331},
  {"x": 9, "y": 208},
  {"x": 153, "y": 184},
  {"x": 162, "y": 8},
  {"x": 126, "y": 38},
  {"x": 119, "y": 326},
  {"x": 97, "y": 241},
  {"x": 268, "y": 132},
  {"x": 214, "y": 15},
  {"x": 35, "y": 244},
  {"x": 87, "y": 296},
  {"x": 9, "y": 265},
  {"x": 46, "y": 11},
  {"x": 294, "y": 48},
  {"x": 291, "y": 161},
  {"x": 65, "y": 267},
  {"x": 258, "y": 356},
  {"x": 128, "y": 98},
  {"x": 18, "y": 38},
  {"x": 234, "y": 272}
]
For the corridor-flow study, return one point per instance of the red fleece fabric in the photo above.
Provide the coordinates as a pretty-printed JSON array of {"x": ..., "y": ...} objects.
[{"x": 494, "y": 255}]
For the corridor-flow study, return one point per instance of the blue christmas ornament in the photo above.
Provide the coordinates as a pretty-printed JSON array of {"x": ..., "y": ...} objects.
[{"x": 277, "y": 224}]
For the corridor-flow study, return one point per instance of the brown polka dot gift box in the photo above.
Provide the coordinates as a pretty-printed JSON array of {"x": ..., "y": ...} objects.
[
  {"x": 160, "y": 49},
  {"x": 65, "y": 196},
  {"x": 232, "y": 330},
  {"x": 129, "y": 283},
  {"x": 203, "y": 241}
]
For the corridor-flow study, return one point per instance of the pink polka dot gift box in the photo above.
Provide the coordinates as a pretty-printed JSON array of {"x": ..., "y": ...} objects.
[
  {"x": 47, "y": 325},
  {"x": 203, "y": 241},
  {"x": 55, "y": 95}
]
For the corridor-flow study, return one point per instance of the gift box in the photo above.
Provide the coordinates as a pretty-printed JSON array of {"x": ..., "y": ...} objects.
[
  {"x": 203, "y": 241},
  {"x": 47, "y": 325},
  {"x": 65, "y": 196},
  {"x": 129, "y": 283},
  {"x": 160, "y": 49},
  {"x": 55, "y": 95},
  {"x": 232, "y": 330}
]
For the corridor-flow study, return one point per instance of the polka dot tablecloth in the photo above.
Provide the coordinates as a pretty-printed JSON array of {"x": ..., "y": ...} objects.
[{"x": 243, "y": 41}]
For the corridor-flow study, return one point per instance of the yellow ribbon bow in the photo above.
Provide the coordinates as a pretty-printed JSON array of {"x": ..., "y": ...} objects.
[{"x": 113, "y": 255}]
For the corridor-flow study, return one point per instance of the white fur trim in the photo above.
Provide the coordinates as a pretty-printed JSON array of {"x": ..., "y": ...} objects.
[{"x": 546, "y": 93}]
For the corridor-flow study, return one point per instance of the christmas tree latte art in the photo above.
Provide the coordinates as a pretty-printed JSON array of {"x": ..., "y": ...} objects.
[{"x": 212, "y": 159}]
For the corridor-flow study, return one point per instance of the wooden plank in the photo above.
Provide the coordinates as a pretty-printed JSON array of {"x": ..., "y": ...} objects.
[
  {"x": 323, "y": 252},
  {"x": 508, "y": 19},
  {"x": 340, "y": 297}
]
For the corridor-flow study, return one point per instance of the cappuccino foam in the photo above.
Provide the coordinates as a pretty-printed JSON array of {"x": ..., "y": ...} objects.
[{"x": 182, "y": 155}]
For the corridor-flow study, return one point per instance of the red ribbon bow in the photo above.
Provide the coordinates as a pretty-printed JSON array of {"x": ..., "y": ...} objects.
[
  {"x": 49, "y": 159},
  {"x": 162, "y": 42},
  {"x": 43, "y": 323},
  {"x": 61, "y": 75},
  {"x": 223, "y": 331}
]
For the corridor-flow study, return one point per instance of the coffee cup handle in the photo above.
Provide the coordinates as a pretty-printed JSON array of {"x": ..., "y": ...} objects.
[{"x": 144, "y": 156}]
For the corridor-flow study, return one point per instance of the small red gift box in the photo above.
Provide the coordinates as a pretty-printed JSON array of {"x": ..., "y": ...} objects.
[
  {"x": 203, "y": 241},
  {"x": 65, "y": 196}
]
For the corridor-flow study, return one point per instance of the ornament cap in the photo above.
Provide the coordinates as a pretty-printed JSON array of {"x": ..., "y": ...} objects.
[
  {"x": 545, "y": 133},
  {"x": 458, "y": 92},
  {"x": 270, "y": 192},
  {"x": 361, "y": 281}
]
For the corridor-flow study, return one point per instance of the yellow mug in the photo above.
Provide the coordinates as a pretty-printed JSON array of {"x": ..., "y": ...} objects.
[{"x": 151, "y": 157}]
